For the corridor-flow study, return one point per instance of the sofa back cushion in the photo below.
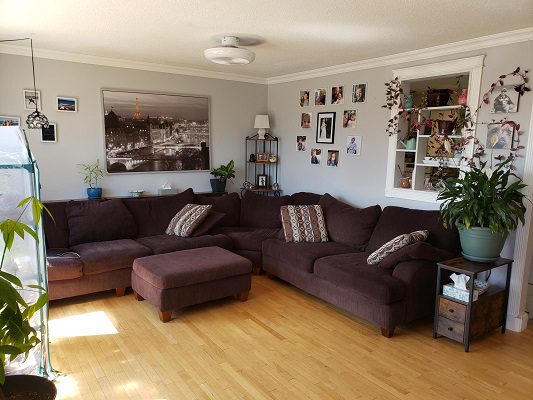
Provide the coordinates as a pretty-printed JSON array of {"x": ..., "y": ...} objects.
[
  {"x": 260, "y": 211},
  {"x": 153, "y": 214},
  {"x": 305, "y": 198},
  {"x": 229, "y": 204},
  {"x": 98, "y": 221},
  {"x": 395, "y": 221},
  {"x": 349, "y": 225},
  {"x": 56, "y": 231}
]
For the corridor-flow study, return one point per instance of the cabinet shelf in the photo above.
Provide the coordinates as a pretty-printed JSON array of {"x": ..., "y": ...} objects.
[
  {"x": 449, "y": 136},
  {"x": 406, "y": 151},
  {"x": 264, "y": 171},
  {"x": 261, "y": 162}
]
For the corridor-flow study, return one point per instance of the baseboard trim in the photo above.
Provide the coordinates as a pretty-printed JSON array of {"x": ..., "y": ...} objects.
[{"x": 517, "y": 324}]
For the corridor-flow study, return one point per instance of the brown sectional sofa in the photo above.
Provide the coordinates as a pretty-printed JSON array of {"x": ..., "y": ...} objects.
[{"x": 92, "y": 246}]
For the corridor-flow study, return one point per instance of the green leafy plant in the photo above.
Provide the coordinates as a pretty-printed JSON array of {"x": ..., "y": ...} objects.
[
  {"x": 91, "y": 173},
  {"x": 16, "y": 334},
  {"x": 484, "y": 197},
  {"x": 225, "y": 172}
]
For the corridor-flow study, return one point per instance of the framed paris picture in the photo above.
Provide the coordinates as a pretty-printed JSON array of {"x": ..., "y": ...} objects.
[{"x": 155, "y": 132}]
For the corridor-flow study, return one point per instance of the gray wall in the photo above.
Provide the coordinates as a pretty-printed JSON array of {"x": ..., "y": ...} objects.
[
  {"x": 233, "y": 106},
  {"x": 361, "y": 180}
]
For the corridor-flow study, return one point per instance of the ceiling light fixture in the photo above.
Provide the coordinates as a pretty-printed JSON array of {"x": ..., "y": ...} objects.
[
  {"x": 228, "y": 53},
  {"x": 36, "y": 120}
]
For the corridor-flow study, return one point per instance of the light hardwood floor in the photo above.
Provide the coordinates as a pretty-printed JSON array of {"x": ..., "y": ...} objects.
[{"x": 280, "y": 344}]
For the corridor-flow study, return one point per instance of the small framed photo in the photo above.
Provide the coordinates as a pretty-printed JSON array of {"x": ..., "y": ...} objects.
[
  {"x": 504, "y": 99},
  {"x": 67, "y": 104},
  {"x": 261, "y": 157},
  {"x": 320, "y": 97},
  {"x": 337, "y": 95},
  {"x": 325, "y": 128},
  {"x": 305, "y": 121},
  {"x": 349, "y": 119},
  {"x": 353, "y": 145},
  {"x": 304, "y": 98},
  {"x": 262, "y": 181},
  {"x": 333, "y": 158},
  {"x": 300, "y": 143},
  {"x": 359, "y": 93},
  {"x": 316, "y": 156},
  {"x": 9, "y": 121},
  {"x": 49, "y": 135},
  {"x": 32, "y": 99},
  {"x": 500, "y": 136}
]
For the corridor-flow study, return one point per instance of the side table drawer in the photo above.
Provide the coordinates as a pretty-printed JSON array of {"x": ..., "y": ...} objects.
[
  {"x": 452, "y": 310},
  {"x": 451, "y": 329}
]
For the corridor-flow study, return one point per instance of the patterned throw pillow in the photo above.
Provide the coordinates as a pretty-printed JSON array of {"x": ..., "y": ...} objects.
[
  {"x": 187, "y": 220},
  {"x": 396, "y": 244},
  {"x": 304, "y": 224}
]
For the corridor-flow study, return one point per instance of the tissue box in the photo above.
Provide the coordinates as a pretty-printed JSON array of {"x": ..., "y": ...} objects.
[
  {"x": 459, "y": 294},
  {"x": 163, "y": 192}
]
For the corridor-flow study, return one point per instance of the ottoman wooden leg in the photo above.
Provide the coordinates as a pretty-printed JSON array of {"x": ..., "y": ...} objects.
[
  {"x": 242, "y": 296},
  {"x": 165, "y": 316},
  {"x": 120, "y": 291},
  {"x": 137, "y": 296}
]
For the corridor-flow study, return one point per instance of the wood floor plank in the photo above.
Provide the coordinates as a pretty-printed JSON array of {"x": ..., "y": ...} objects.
[{"x": 280, "y": 344}]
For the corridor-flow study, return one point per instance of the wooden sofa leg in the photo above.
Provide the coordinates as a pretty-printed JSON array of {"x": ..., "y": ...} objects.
[
  {"x": 269, "y": 275},
  {"x": 387, "y": 332},
  {"x": 242, "y": 296},
  {"x": 165, "y": 316},
  {"x": 137, "y": 296},
  {"x": 120, "y": 291}
]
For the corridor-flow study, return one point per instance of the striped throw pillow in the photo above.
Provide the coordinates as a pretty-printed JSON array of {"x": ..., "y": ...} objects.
[
  {"x": 396, "y": 244},
  {"x": 304, "y": 224},
  {"x": 187, "y": 220}
]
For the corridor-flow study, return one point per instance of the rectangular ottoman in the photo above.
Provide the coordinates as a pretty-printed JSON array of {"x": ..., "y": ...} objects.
[{"x": 187, "y": 277}]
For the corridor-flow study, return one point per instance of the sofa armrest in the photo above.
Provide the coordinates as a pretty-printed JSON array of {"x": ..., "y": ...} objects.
[{"x": 419, "y": 277}]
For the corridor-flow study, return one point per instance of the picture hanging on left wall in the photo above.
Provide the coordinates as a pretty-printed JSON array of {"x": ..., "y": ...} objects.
[
  {"x": 9, "y": 121},
  {"x": 155, "y": 132}
]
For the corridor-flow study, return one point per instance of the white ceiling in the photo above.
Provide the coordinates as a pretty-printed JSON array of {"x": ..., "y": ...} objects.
[{"x": 299, "y": 35}]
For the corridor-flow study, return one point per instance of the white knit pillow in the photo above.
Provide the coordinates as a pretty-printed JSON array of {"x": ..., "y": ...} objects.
[{"x": 396, "y": 244}]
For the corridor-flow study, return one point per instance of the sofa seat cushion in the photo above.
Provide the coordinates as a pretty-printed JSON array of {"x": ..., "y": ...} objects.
[
  {"x": 63, "y": 265},
  {"x": 99, "y": 220},
  {"x": 246, "y": 238},
  {"x": 261, "y": 211},
  {"x": 110, "y": 255},
  {"x": 153, "y": 214},
  {"x": 302, "y": 255},
  {"x": 189, "y": 267},
  {"x": 349, "y": 225},
  {"x": 160, "y": 244},
  {"x": 351, "y": 271}
]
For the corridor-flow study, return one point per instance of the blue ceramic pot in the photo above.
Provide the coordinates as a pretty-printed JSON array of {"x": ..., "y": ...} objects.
[
  {"x": 480, "y": 244},
  {"x": 94, "y": 193}
]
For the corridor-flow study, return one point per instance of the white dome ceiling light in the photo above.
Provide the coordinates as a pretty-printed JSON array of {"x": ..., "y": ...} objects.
[{"x": 228, "y": 53}]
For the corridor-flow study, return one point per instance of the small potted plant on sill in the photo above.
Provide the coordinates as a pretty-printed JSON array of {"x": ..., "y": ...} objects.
[
  {"x": 221, "y": 176},
  {"x": 91, "y": 174},
  {"x": 484, "y": 204},
  {"x": 17, "y": 336}
]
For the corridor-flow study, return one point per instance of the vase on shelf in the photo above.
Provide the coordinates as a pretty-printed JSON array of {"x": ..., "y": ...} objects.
[
  {"x": 463, "y": 97},
  {"x": 408, "y": 101}
]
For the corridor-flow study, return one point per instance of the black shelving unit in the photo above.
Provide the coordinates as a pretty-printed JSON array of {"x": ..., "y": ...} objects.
[{"x": 254, "y": 168}]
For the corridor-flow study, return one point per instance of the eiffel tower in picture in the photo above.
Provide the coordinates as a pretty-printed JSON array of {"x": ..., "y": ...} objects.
[{"x": 137, "y": 113}]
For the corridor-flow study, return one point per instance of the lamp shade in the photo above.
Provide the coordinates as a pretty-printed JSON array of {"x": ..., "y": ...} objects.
[{"x": 261, "y": 122}]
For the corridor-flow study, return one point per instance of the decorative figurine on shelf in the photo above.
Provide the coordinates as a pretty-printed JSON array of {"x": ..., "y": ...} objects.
[
  {"x": 275, "y": 186},
  {"x": 273, "y": 158},
  {"x": 247, "y": 185},
  {"x": 252, "y": 157}
]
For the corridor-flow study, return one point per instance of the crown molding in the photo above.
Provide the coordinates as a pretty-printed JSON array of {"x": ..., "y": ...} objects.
[
  {"x": 499, "y": 39},
  {"x": 121, "y": 63}
]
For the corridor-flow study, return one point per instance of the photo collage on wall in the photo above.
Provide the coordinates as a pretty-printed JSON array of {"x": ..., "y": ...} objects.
[
  {"x": 325, "y": 122},
  {"x": 504, "y": 100}
]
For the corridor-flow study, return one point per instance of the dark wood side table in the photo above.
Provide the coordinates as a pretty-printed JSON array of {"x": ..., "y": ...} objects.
[{"x": 463, "y": 321}]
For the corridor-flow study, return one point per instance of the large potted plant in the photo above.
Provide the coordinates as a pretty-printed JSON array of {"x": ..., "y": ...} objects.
[
  {"x": 91, "y": 173},
  {"x": 17, "y": 336},
  {"x": 485, "y": 204},
  {"x": 221, "y": 176}
]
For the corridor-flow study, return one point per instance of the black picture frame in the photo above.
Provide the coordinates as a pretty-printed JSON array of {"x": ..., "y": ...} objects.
[
  {"x": 326, "y": 133},
  {"x": 262, "y": 180}
]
